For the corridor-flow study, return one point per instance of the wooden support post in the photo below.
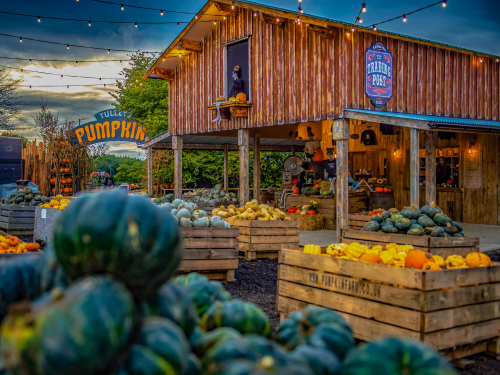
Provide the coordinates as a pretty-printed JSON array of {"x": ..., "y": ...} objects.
[
  {"x": 177, "y": 144},
  {"x": 340, "y": 133},
  {"x": 256, "y": 165},
  {"x": 430, "y": 166},
  {"x": 293, "y": 150},
  {"x": 414, "y": 168},
  {"x": 150, "y": 170},
  {"x": 244, "y": 167},
  {"x": 226, "y": 168}
]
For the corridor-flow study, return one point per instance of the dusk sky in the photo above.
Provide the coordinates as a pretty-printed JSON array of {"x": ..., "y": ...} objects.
[{"x": 464, "y": 23}]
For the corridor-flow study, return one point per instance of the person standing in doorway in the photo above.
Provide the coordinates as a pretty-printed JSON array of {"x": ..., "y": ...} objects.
[{"x": 442, "y": 171}]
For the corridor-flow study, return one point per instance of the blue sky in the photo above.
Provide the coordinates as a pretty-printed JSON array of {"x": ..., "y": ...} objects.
[{"x": 470, "y": 24}]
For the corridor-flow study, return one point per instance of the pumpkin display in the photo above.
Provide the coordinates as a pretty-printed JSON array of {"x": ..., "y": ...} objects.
[
  {"x": 402, "y": 224},
  {"x": 411, "y": 212},
  {"x": 378, "y": 219},
  {"x": 242, "y": 97},
  {"x": 93, "y": 319},
  {"x": 395, "y": 356},
  {"x": 431, "y": 210},
  {"x": 417, "y": 259},
  {"x": 370, "y": 258},
  {"x": 221, "y": 98},
  {"x": 372, "y": 226},
  {"x": 379, "y": 189},
  {"x": 52, "y": 180},
  {"x": 310, "y": 212},
  {"x": 441, "y": 219},
  {"x": 415, "y": 230},
  {"x": 244, "y": 317},
  {"x": 319, "y": 359},
  {"x": 389, "y": 228},
  {"x": 69, "y": 180},
  {"x": 53, "y": 190},
  {"x": 143, "y": 248},
  {"x": 205, "y": 341},
  {"x": 318, "y": 155},
  {"x": 204, "y": 292},
  {"x": 317, "y": 327},
  {"x": 425, "y": 221},
  {"x": 477, "y": 260},
  {"x": 54, "y": 170},
  {"x": 430, "y": 266},
  {"x": 296, "y": 190},
  {"x": 439, "y": 261}
]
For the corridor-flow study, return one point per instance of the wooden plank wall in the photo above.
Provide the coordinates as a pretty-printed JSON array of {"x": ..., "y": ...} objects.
[
  {"x": 35, "y": 159},
  {"x": 298, "y": 76}
]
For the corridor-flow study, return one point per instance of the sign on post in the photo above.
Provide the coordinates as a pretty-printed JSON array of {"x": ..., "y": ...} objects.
[{"x": 378, "y": 74}]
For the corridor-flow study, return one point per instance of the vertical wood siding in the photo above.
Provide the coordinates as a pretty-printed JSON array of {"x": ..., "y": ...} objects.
[{"x": 297, "y": 76}]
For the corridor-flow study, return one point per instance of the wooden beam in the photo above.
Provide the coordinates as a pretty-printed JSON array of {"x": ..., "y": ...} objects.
[
  {"x": 177, "y": 147},
  {"x": 340, "y": 129},
  {"x": 430, "y": 166},
  {"x": 167, "y": 75},
  {"x": 325, "y": 32},
  {"x": 244, "y": 167},
  {"x": 256, "y": 165},
  {"x": 226, "y": 8},
  {"x": 150, "y": 170},
  {"x": 226, "y": 168},
  {"x": 417, "y": 124},
  {"x": 273, "y": 20},
  {"x": 189, "y": 45},
  {"x": 414, "y": 168},
  {"x": 209, "y": 147},
  {"x": 342, "y": 195}
]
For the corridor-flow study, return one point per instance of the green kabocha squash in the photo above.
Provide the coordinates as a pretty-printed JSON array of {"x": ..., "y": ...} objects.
[
  {"x": 378, "y": 219},
  {"x": 19, "y": 199},
  {"x": 459, "y": 234},
  {"x": 451, "y": 229},
  {"x": 389, "y": 228},
  {"x": 76, "y": 331},
  {"x": 205, "y": 293},
  {"x": 393, "y": 211},
  {"x": 445, "y": 235},
  {"x": 385, "y": 214},
  {"x": 372, "y": 226},
  {"x": 21, "y": 193},
  {"x": 425, "y": 221},
  {"x": 194, "y": 366},
  {"x": 318, "y": 327},
  {"x": 441, "y": 219},
  {"x": 160, "y": 348},
  {"x": 173, "y": 302},
  {"x": 319, "y": 360},
  {"x": 455, "y": 224},
  {"x": 28, "y": 190},
  {"x": 396, "y": 217},
  {"x": 402, "y": 224},
  {"x": 169, "y": 198},
  {"x": 390, "y": 356},
  {"x": 28, "y": 197},
  {"x": 389, "y": 221},
  {"x": 411, "y": 212},
  {"x": 413, "y": 221},
  {"x": 415, "y": 230},
  {"x": 205, "y": 341},
  {"x": 38, "y": 198},
  {"x": 133, "y": 239},
  {"x": 244, "y": 317},
  {"x": 190, "y": 278},
  {"x": 435, "y": 231},
  {"x": 431, "y": 210},
  {"x": 49, "y": 273}
]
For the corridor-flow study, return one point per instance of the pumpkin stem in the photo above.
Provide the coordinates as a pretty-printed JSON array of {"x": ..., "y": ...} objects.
[
  {"x": 433, "y": 204},
  {"x": 413, "y": 207}
]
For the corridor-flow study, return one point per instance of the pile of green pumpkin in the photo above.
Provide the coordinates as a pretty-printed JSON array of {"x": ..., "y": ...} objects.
[
  {"x": 416, "y": 222},
  {"x": 25, "y": 197},
  {"x": 101, "y": 301}
]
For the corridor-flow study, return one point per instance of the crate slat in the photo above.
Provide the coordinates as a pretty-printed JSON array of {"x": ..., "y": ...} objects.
[
  {"x": 210, "y": 254},
  {"x": 209, "y": 232},
  {"x": 15, "y": 207},
  {"x": 211, "y": 243},
  {"x": 268, "y": 239},
  {"x": 264, "y": 246},
  {"x": 17, "y": 220},
  {"x": 270, "y": 231},
  {"x": 207, "y": 265},
  {"x": 264, "y": 224}
]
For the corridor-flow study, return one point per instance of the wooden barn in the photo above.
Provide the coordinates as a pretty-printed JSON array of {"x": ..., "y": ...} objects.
[{"x": 421, "y": 114}]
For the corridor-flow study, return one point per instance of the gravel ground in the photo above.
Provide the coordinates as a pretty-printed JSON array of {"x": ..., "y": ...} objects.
[{"x": 256, "y": 283}]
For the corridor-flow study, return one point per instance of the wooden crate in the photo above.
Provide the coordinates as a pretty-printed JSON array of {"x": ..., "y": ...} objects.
[
  {"x": 358, "y": 220},
  {"x": 210, "y": 251},
  {"x": 17, "y": 220},
  {"x": 264, "y": 239},
  {"x": 443, "y": 246},
  {"x": 448, "y": 309}
]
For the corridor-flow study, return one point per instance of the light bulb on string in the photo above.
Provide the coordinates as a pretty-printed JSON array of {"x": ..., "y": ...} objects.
[
  {"x": 196, "y": 16},
  {"x": 498, "y": 60},
  {"x": 109, "y": 51},
  {"x": 122, "y": 8},
  {"x": 90, "y": 23},
  {"x": 363, "y": 9},
  {"x": 22, "y": 71},
  {"x": 61, "y": 76},
  {"x": 99, "y": 79},
  {"x": 163, "y": 59},
  {"x": 360, "y": 20},
  {"x": 76, "y": 62},
  {"x": 104, "y": 85},
  {"x": 224, "y": 17},
  {"x": 232, "y": 5},
  {"x": 67, "y": 46},
  {"x": 481, "y": 59},
  {"x": 352, "y": 29},
  {"x": 120, "y": 62},
  {"x": 39, "y": 19},
  {"x": 375, "y": 28},
  {"x": 444, "y": 3},
  {"x": 215, "y": 22},
  {"x": 136, "y": 24},
  {"x": 20, "y": 39},
  {"x": 348, "y": 33},
  {"x": 178, "y": 24},
  {"x": 255, "y": 14},
  {"x": 67, "y": 87},
  {"x": 277, "y": 19},
  {"x": 30, "y": 61},
  {"x": 161, "y": 12},
  {"x": 404, "y": 18},
  {"x": 30, "y": 87}
]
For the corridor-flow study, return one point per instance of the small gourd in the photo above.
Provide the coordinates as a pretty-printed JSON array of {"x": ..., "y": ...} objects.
[{"x": 477, "y": 260}]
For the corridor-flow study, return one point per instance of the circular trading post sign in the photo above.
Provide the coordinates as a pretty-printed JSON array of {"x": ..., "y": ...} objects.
[{"x": 378, "y": 74}]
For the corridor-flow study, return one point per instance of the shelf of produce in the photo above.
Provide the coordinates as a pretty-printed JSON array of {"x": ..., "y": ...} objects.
[
  {"x": 17, "y": 220},
  {"x": 210, "y": 251},
  {"x": 447, "y": 309},
  {"x": 264, "y": 239},
  {"x": 442, "y": 246}
]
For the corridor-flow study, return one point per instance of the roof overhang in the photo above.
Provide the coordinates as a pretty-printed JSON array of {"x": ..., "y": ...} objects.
[{"x": 423, "y": 122}]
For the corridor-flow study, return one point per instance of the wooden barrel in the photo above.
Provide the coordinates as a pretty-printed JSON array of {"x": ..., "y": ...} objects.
[{"x": 381, "y": 200}]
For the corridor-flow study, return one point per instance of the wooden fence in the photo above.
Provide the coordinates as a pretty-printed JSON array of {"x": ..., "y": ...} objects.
[{"x": 35, "y": 166}]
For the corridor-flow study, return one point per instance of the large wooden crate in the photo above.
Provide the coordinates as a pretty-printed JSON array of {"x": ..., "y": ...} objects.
[
  {"x": 210, "y": 251},
  {"x": 358, "y": 220},
  {"x": 443, "y": 246},
  {"x": 17, "y": 220},
  {"x": 454, "y": 310},
  {"x": 264, "y": 239}
]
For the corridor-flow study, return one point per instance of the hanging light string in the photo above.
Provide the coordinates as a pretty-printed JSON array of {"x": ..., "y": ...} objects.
[
  {"x": 404, "y": 16},
  {"x": 301, "y": 11},
  {"x": 56, "y": 74},
  {"x": 123, "y": 6},
  {"x": 48, "y": 60},
  {"x": 70, "y": 45},
  {"x": 40, "y": 18},
  {"x": 358, "y": 18},
  {"x": 68, "y": 86}
]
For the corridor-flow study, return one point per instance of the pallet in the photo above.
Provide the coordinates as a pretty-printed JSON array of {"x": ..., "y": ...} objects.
[
  {"x": 210, "y": 251},
  {"x": 264, "y": 239},
  {"x": 17, "y": 220},
  {"x": 446, "y": 309},
  {"x": 358, "y": 220},
  {"x": 443, "y": 246}
]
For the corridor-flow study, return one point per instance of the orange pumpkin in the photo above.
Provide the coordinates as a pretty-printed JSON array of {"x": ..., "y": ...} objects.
[
  {"x": 53, "y": 190},
  {"x": 54, "y": 170},
  {"x": 52, "y": 180},
  {"x": 32, "y": 246},
  {"x": 371, "y": 258},
  {"x": 13, "y": 241},
  {"x": 317, "y": 185},
  {"x": 417, "y": 259},
  {"x": 70, "y": 189},
  {"x": 63, "y": 181},
  {"x": 62, "y": 170},
  {"x": 69, "y": 180},
  {"x": 478, "y": 260},
  {"x": 56, "y": 160},
  {"x": 379, "y": 190},
  {"x": 66, "y": 190},
  {"x": 386, "y": 190},
  {"x": 242, "y": 96},
  {"x": 296, "y": 190},
  {"x": 318, "y": 155},
  {"x": 221, "y": 98},
  {"x": 66, "y": 170},
  {"x": 429, "y": 266}
]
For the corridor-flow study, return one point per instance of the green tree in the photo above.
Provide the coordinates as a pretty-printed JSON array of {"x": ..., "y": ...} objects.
[
  {"x": 109, "y": 163},
  {"x": 10, "y": 102},
  {"x": 145, "y": 100},
  {"x": 129, "y": 171}
]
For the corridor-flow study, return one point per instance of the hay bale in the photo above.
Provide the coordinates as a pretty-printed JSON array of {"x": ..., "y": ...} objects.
[
  {"x": 308, "y": 222},
  {"x": 325, "y": 185}
]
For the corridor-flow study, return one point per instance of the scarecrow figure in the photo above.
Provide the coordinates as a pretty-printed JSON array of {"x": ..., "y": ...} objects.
[{"x": 237, "y": 85}]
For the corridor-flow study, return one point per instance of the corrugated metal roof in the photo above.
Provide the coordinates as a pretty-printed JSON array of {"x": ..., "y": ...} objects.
[{"x": 436, "y": 121}]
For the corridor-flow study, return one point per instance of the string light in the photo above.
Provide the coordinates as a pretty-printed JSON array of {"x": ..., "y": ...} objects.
[
  {"x": 375, "y": 28},
  {"x": 232, "y": 5},
  {"x": 444, "y": 3},
  {"x": 91, "y": 61},
  {"x": 30, "y": 61},
  {"x": 196, "y": 16},
  {"x": 39, "y": 19},
  {"x": 55, "y": 74},
  {"x": 498, "y": 60},
  {"x": 404, "y": 18},
  {"x": 120, "y": 62},
  {"x": 90, "y": 23},
  {"x": 277, "y": 19},
  {"x": 109, "y": 51},
  {"x": 122, "y": 8},
  {"x": 255, "y": 14},
  {"x": 363, "y": 7},
  {"x": 161, "y": 12},
  {"x": 178, "y": 24},
  {"x": 67, "y": 46},
  {"x": 76, "y": 62},
  {"x": 20, "y": 39},
  {"x": 360, "y": 20},
  {"x": 136, "y": 24},
  {"x": 215, "y": 22},
  {"x": 481, "y": 59},
  {"x": 22, "y": 70},
  {"x": 224, "y": 17},
  {"x": 348, "y": 33},
  {"x": 61, "y": 75}
]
